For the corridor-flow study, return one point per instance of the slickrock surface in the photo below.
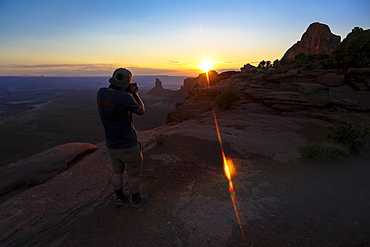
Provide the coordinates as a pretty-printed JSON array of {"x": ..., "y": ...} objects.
[
  {"x": 41, "y": 167},
  {"x": 30, "y": 216}
]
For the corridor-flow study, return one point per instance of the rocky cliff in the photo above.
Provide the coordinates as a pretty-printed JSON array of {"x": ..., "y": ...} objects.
[{"x": 318, "y": 39}]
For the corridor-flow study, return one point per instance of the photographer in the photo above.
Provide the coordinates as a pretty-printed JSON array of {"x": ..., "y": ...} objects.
[{"x": 116, "y": 105}]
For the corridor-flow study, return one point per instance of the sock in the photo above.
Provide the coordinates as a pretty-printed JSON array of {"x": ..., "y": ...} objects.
[
  {"x": 136, "y": 197},
  {"x": 120, "y": 194}
]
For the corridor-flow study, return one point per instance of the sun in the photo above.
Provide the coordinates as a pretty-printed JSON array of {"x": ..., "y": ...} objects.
[{"x": 206, "y": 65}]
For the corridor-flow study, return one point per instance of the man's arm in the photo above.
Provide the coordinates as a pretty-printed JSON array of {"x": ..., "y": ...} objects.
[{"x": 140, "y": 102}]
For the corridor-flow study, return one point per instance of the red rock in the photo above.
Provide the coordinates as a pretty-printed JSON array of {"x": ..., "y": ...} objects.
[
  {"x": 317, "y": 39},
  {"x": 41, "y": 167},
  {"x": 32, "y": 215}
]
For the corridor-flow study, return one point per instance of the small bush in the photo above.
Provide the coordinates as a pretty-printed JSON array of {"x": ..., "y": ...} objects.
[
  {"x": 331, "y": 102},
  {"x": 160, "y": 138},
  {"x": 227, "y": 99},
  {"x": 353, "y": 135},
  {"x": 322, "y": 151},
  {"x": 308, "y": 91},
  {"x": 287, "y": 87}
]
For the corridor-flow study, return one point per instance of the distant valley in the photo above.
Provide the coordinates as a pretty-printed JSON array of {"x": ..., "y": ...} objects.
[{"x": 38, "y": 113}]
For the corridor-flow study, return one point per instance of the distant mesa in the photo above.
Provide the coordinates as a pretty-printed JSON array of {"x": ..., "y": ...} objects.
[
  {"x": 158, "y": 88},
  {"x": 189, "y": 85},
  {"x": 160, "y": 91},
  {"x": 318, "y": 39}
]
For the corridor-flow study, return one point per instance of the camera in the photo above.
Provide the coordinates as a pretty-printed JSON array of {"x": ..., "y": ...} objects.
[{"x": 132, "y": 88}]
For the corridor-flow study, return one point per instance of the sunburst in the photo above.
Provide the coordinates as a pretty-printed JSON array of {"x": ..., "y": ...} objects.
[{"x": 206, "y": 65}]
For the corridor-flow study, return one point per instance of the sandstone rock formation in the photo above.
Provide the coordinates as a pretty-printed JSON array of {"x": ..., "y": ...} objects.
[
  {"x": 30, "y": 216},
  {"x": 189, "y": 83},
  {"x": 317, "y": 39},
  {"x": 298, "y": 92},
  {"x": 160, "y": 91},
  {"x": 40, "y": 168}
]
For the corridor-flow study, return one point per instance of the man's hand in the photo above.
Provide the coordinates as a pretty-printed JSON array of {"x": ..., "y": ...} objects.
[
  {"x": 140, "y": 102},
  {"x": 134, "y": 88}
]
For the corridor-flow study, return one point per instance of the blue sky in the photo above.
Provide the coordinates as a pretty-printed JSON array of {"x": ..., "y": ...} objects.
[{"x": 72, "y": 37}]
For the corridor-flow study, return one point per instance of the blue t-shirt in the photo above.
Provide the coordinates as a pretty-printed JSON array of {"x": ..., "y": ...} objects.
[{"x": 115, "y": 110}]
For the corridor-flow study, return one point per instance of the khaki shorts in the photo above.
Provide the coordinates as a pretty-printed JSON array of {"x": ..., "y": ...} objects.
[{"x": 130, "y": 158}]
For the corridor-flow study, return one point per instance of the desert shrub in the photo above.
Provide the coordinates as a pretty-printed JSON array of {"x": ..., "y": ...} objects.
[
  {"x": 287, "y": 87},
  {"x": 309, "y": 62},
  {"x": 271, "y": 71},
  {"x": 160, "y": 138},
  {"x": 331, "y": 102},
  {"x": 354, "y": 50},
  {"x": 308, "y": 66},
  {"x": 280, "y": 71},
  {"x": 308, "y": 91},
  {"x": 322, "y": 151},
  {"x": 354, "y": 135},
  {"x": 227, "y": 99}
]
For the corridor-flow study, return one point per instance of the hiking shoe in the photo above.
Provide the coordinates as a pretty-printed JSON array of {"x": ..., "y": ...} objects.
[
  {"x": 144, "y": 199},
  {"x": 120, "y": 201}
]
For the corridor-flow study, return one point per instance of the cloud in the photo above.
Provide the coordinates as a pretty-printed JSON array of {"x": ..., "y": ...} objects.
[
  {"x": 175, "y": 62},
  {"x": 154, "y": 71},
  {"x": 98, "y": 69},
  {"x": 71, "y": 65},
  {"x": 223, "y": 62}
]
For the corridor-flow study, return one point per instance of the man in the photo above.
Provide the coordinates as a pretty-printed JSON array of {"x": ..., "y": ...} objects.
[{"x": 116, "y": 105}]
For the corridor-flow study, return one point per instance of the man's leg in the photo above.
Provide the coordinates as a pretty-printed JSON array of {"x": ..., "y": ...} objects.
[
  {"x": 134, "y": 185},
  {"x": 117, "y": 180},
  {"x": 122, "y": 196}
]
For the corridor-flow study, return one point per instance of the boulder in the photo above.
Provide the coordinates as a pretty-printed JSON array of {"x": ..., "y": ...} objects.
[
  {"x": 331, "y": 80},
  {"x": 40, "y": 168},
  {"x": 359, "y": 78}
]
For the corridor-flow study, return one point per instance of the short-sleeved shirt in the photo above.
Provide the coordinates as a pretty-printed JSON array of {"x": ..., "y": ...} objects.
[{"x": 115, "y": 110}]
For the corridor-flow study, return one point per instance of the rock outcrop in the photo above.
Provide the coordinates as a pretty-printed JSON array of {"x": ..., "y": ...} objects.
[
  {"x": 298, "y": 92},
  {"x": 32, "y": 215},
  {"x": 317, "y": 39},
  {"x": 42, "y": 167}
]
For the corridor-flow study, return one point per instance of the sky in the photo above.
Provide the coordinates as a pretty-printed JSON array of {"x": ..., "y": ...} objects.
[{"x": 159, "y": 37}]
